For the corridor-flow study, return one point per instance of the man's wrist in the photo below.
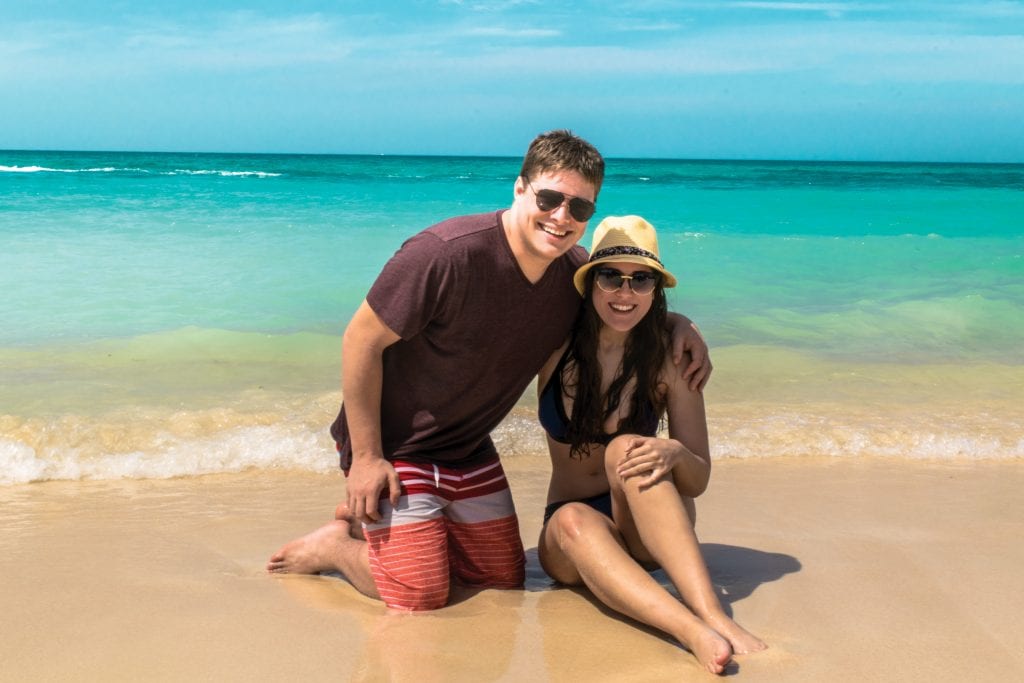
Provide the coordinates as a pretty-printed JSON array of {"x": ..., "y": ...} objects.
[{"x": 367, "y": 456}]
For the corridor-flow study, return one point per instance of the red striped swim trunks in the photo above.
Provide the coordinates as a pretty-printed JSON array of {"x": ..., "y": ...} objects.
[{"x": 449, "y": 523}]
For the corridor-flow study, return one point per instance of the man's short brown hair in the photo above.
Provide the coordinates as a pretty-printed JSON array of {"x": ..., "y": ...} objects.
[{"x": 561, "y": 150}]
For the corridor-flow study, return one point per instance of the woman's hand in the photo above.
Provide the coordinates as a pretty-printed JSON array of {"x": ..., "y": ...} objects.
[{"x": 650, "y": 458}]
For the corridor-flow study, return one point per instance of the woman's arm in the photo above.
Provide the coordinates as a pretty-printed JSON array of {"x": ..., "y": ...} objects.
[
  {"x": 688, "y": 426},
  {"x": 685, "y": 453}
]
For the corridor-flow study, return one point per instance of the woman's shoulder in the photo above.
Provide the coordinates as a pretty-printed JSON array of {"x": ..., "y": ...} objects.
[
  {"x": 670, "y": 377},
  {"x": 550, "y": 364}
]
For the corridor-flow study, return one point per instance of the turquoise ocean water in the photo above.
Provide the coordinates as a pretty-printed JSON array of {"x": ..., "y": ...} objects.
[{"x": 176, "y": 314}]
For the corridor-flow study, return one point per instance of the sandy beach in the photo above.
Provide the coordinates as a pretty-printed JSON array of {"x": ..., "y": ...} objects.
[
  {"x": 197, "y": 199},
  {"x": 852, "y": 570}
]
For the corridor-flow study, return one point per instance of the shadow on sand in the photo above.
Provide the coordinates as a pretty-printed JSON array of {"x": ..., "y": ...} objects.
[{"x": 735, "y": 572}]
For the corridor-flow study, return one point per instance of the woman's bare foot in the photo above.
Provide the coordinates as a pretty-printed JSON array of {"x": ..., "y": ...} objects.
[
  {"x": 743, "y": 641},
  {"x": 712, "y": 650},
  {"x": 317, "y": 551}
]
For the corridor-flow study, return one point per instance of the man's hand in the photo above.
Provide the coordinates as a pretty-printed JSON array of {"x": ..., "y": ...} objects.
[
  {"x": 686, "y": 337},
  {"x": 362, "y": 381},
  {"x": 366, "y": 479}
]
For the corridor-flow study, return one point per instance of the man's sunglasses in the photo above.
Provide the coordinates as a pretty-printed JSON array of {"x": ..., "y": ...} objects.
[
  {"x": 548, "y": 200},
  {"x": 641, "y": 282}
]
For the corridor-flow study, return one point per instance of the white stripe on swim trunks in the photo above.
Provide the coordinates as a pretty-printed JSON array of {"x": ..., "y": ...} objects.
[
  {"x": 413, "y": 467},
  {"x": 453, "y": 489}
]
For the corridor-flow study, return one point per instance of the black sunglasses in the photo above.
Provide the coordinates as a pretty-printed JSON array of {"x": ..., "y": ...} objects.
[
  {"x": 548, "y": 200},
  {"x": 641, "y": 282}
]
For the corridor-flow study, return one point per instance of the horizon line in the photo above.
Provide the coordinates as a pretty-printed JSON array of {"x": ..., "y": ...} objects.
[{"x": 519, "y": 156}]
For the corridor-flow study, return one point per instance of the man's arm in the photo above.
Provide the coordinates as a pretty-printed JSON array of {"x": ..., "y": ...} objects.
[
  {"x": 362, "y": 381},
  {"x": 686, "y": 337}
]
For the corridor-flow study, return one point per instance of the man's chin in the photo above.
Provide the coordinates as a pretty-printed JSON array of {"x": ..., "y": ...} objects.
[{"x": 557, "y": 246}]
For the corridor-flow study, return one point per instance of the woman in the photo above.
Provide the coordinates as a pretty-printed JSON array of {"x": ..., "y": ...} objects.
[{"x": 620, "y": 499}]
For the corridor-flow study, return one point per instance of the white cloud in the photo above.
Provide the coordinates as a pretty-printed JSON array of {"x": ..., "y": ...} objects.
[
  {"x": 512, "y": 33},
  {"x": 70, "y": 51},
  {"x": 939, "y": 59},
  {"x": 819, "y": 54},
  {"x": 11, "y": 48},
  {"x": 820, "y": 51},
  {"x": 652, "y": 27},
  {"x": 830, "y": 7},
  {"x": 990, "y": 10},
  {"x": 490, "y": 5}
]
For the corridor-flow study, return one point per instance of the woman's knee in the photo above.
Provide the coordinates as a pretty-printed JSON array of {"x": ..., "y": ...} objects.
[
  {"x": 564, "y": 540},
  {"x": 618, "y": 446},
  {"x": 573, "y": 521},
  {"x": 614, "y": 452}
]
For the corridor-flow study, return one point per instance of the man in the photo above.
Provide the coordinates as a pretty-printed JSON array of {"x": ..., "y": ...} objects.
[{"x": 450, "y": 335}]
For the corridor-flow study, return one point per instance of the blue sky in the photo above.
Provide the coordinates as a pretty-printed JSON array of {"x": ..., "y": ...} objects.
[{"x": 856, "y": 80}]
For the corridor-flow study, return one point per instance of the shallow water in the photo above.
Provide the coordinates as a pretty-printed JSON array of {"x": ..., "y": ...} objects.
[{"x": 175, "y": 314}]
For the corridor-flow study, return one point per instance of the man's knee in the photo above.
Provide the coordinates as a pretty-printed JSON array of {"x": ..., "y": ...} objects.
[
  {"x": 411, "y": 586},
  {"x": 415, "y": 598},
  {"x": 409, "y": 565},
  {"x": 488, "y": 554}
]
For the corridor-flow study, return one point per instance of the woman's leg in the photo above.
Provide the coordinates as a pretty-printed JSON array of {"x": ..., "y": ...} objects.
[
  {"x": 580, "y": 545},
  {"x": 657, "y": 524}
]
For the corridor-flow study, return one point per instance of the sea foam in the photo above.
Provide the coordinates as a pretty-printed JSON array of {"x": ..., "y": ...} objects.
[
  {"x": 115, "y": 169},
  {"x": 45, "y": 169},
  {"x": 232, "y": 450},
  {"x": 155, "y": 446}
]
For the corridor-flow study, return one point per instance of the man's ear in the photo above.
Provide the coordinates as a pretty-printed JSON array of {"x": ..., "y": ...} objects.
[{"x": 520, "y": 186}]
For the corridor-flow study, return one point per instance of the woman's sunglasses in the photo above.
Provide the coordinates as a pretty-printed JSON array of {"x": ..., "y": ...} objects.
[
  {"x": 640, "y": 282},
  {"x": 548, "y": 200}
]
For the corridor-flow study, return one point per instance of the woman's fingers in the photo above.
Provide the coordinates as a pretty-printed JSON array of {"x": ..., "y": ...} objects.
[{"x": 648, "y": 463}]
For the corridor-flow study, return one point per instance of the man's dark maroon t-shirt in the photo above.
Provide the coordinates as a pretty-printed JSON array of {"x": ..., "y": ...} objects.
[{"x": 474, "y": 333}]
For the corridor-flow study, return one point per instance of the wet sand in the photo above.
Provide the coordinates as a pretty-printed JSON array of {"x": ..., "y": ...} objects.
[{"x": 851, "y": 569}]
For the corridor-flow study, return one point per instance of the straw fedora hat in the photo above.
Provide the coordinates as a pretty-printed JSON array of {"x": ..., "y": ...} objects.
[{"x": 628, "y": 239}]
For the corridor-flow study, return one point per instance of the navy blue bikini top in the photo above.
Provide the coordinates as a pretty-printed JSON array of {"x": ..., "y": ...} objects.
[{"x": 551, "y": 410}]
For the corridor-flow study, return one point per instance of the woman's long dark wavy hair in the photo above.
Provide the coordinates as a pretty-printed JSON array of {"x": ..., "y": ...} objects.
[{"x": 643, "y": 358}]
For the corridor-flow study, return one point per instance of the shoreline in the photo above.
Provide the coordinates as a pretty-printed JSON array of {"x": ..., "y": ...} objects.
[
  {"x": 124, "y": 415},
  {"x": 851, "y": 569}
]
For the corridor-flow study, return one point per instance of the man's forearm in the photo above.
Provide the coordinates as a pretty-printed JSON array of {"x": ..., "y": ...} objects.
[
  {"x": 362, "y": 380},
  {"x": 362, "y": 385}
]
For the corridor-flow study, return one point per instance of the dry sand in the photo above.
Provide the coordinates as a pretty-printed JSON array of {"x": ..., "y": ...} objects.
[{"x": 852, "y": 570}]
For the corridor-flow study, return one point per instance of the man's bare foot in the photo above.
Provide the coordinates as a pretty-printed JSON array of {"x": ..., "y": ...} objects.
[
  {"x": 316, "y": 552},
  {"x": 712, "y": 650},
  {"x": 743, "y": 641}
]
